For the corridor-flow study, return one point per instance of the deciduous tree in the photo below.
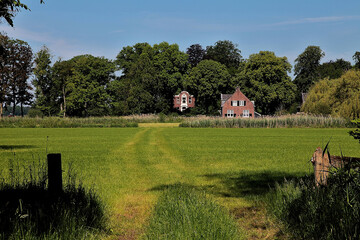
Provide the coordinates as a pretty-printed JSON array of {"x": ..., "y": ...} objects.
[
  {"x": 339, "y": 97},
  {"x": 196, "y": 54},
  {"x": 265, "y": 80},
  {"x": 225, "y": 52},
  {"x": 356, "y": 58},
  {"x": 307, "y": 68},
  {"x": 206, "y": 82}
]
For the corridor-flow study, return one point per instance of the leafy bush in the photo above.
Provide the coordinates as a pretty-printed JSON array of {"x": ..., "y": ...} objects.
[
  {"x": 325, "y": 212},
  {"x": 338, "y": 97},
  {"x": 356, "y": 133},
  {"x": 184, "y": 213}
]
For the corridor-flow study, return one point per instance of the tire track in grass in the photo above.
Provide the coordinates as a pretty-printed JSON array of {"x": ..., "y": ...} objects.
[
  {"x": 145, "y": 164},
  {"x": 172, "y": 166}
]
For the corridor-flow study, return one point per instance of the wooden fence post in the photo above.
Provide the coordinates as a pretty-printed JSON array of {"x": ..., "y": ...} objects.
[{"x": 54, "y": 172}]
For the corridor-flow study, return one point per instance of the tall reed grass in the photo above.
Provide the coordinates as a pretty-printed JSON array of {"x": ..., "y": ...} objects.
[
  {"x": 57, "y": 122},
  {"x": 29, "y": 211},
  {"x": 269, "y": 122},
  {"x": 184, "y": 213}
]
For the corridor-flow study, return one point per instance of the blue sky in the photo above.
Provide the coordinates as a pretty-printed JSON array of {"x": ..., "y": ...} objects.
[{"x": 103, "y": 28}]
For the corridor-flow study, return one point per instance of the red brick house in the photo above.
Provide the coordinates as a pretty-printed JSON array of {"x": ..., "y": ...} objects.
[
  {"x": 237, "y": 105},
  {"x": 183, "y": 101}
]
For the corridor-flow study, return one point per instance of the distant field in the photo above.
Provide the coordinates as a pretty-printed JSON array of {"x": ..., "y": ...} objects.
[{"x": 130, "y": 167}]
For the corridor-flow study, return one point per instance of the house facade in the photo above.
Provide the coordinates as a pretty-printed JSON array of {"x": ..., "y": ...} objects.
[
  {"x": 184, "y": 101},
  {"x": 237, "y": 105}
]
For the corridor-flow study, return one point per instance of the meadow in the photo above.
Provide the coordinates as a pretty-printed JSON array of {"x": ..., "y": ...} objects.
[{"x": 130, "y": 167}]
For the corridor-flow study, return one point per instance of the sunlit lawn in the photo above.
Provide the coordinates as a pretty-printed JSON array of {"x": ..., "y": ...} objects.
[{"x": 129, "y": 167}]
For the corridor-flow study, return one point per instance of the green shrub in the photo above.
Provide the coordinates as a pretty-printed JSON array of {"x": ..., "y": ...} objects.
[
  {"x": 325, "y": 212},
  {"x": 184, "y": 213}
]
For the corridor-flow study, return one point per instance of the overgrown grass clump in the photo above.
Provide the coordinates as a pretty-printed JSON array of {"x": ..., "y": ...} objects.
[
  {"x": 325, "y": 212},
  {"x": 57, "y": 122},
  {"x": 29, "y": 211},
  {"x": 269, "y": 122},
  {"x": 184, "y": 213}
]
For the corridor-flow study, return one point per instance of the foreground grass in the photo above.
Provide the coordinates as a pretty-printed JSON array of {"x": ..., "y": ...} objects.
[
  {"x": 131, "y": 167},
  {"x": 184, "y": 213}
]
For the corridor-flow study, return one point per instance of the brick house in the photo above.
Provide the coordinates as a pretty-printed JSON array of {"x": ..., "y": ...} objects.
[
  {"x": 237, "y": 105},
  {"x": 183, "y": 101}
]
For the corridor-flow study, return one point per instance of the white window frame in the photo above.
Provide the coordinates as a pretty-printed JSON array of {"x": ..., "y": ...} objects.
[
  {"x": 234, "y": 103},
  {"x": 246, "y": 113},
  {"x": 230, "y": 113}
]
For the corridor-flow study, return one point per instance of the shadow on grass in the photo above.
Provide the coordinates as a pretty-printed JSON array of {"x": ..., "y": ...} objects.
[
  {"x": 247, "y": 184},
  {"x": 10, "y": 147},
  {"x": 32, "y": 208},
  {"x": 238, "y": 184}
]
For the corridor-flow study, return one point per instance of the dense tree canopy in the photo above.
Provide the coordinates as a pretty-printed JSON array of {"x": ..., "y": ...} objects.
[
  {"x": 306, "y": 68},
  {"x": 225, "y": 52},
  {"x": 338, "y": 97},
  {"x": 196, "y": 54},
  {"x": 265, "y": 80},
  {"x": 334, "y": 69},
  {"x": 156, "y": 71},
  {"x": 206, "y": 82}
]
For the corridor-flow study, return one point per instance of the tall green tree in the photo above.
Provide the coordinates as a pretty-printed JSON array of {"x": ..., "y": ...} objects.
[
  {"x": 307, "y": 68},
  {"x": 196, "y": 54},
  {"x": 43, "y": 81},
  {"x": 86, "y": 87},
  {"x": 206, "y": 82},
  {"x": 4, "y": 71},
  {"x": 265, "y": 80},
  {"x": 225, "y": 52},
  {"x": 356, "y": 58},
  {"x": 62, "y": 73},
  {"x": 17, "y": 69}
]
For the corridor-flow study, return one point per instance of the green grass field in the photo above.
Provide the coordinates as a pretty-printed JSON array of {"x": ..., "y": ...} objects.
[{"x": 130, "y": 167}]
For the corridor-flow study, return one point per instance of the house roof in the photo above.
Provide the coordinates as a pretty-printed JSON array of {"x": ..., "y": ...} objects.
[{"x": 224, "y": 98}]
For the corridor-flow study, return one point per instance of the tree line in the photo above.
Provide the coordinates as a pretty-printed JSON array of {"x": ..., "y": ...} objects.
[{"x": 144, "y": 78}]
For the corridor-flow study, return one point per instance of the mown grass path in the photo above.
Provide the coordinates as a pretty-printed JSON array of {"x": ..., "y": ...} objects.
[{"x": 130, "y": 167}]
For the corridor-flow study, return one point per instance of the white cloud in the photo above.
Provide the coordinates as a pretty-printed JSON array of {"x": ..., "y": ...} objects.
[
  {"x": 60, "y": 47},
  {"x": 317, "y": 20}
]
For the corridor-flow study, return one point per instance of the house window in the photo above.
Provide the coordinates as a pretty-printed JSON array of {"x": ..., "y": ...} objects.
[
  {"x": 183, "y": 98},
  {"x": 246, "y": 113},
  {"x": 178, "y": 100},
  {"x": 230, "y": 113},
  {"x": 183, "y": 108},
  {"x": 238, "y": 103},
  {"x": 190, "y": 99}
]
